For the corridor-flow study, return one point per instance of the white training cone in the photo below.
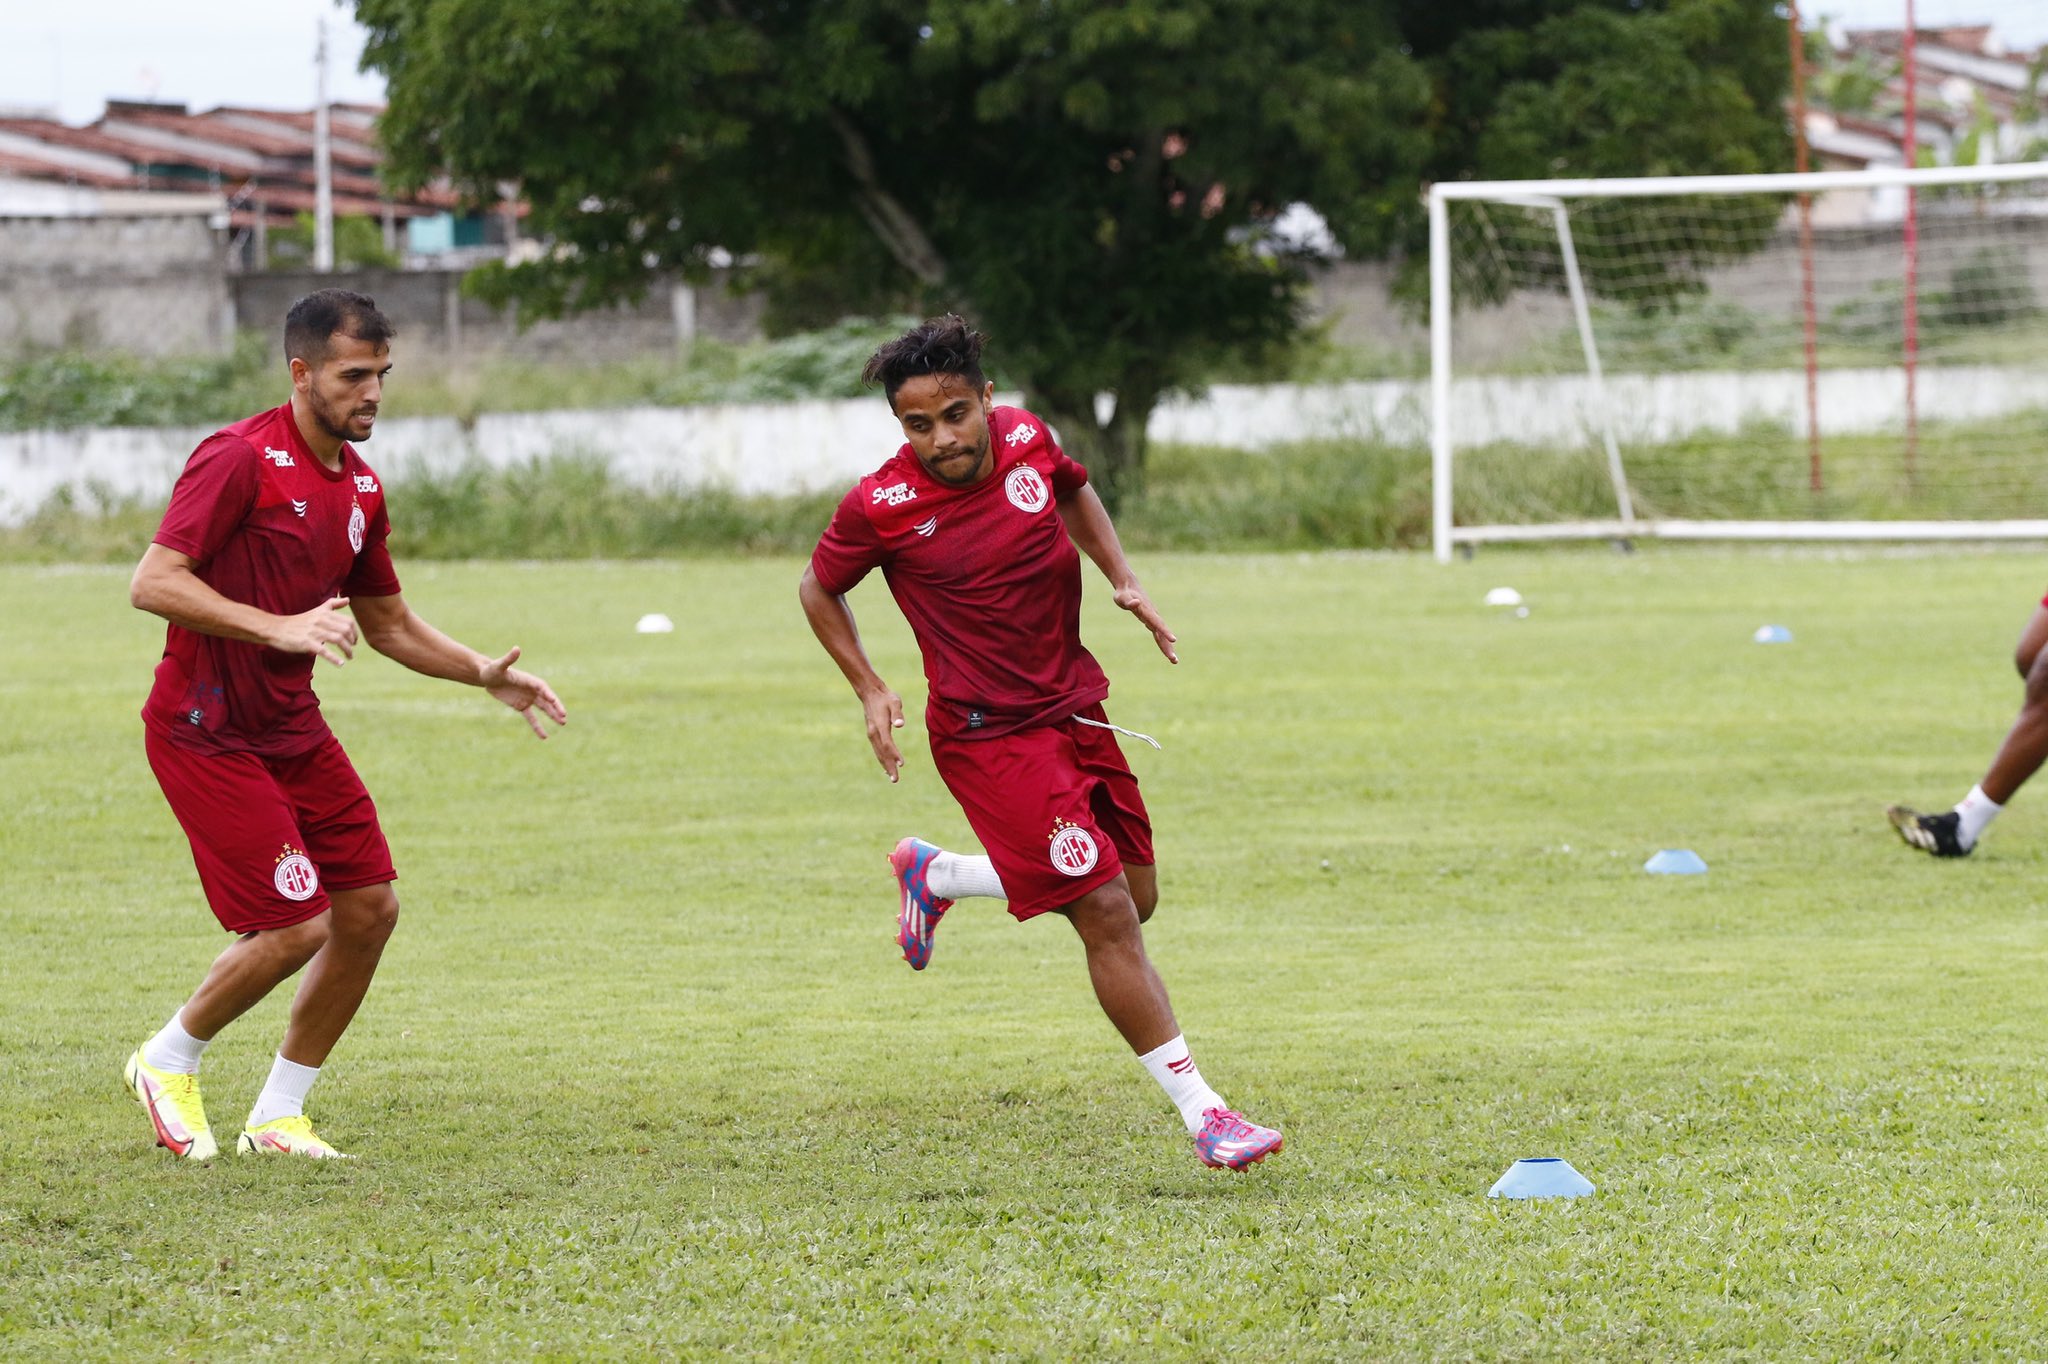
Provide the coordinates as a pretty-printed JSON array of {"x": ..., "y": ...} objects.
[
  {"x": 655, "y": 623},
  {"x": 1541, "y": 1177},
  {"x": 1503, "y": 596}
]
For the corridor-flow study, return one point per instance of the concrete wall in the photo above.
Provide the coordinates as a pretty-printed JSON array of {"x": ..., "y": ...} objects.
[
  {"x": 431, "y": 314},
  {"x": 143, "y": 284}
]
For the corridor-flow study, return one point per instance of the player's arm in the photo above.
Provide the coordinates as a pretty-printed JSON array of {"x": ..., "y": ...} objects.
[
  {"x": 393, "y": 629},
  {"x": 1089, "y": 525},
  {"x": 165, "y": 585},
  {"x": 832, "y": 622}
]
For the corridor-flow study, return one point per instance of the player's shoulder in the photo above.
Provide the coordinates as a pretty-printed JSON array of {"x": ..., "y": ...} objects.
[
  {"x": 359, "y": 470},
  {"x": 252, "y": 438},
  {"x": 1017, "y": 431},
  {"x": 898, "y": 480}
]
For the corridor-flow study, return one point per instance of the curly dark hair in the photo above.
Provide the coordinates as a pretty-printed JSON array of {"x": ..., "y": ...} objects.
[{"x": 937, "y": 345}]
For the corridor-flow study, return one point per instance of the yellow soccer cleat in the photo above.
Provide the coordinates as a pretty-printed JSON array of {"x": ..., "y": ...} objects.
[
  {"x": 174, "y": 1107},
  {"x": 292, "y": 1136}
]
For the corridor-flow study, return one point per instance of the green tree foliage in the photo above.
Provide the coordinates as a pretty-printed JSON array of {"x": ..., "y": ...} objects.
[{"x": 1093, "y": 184}]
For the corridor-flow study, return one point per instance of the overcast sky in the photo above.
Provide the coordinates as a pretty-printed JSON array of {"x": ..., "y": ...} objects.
[
  {"x": 2021, "y": 23},
  {"x": 74, "y": 56}
]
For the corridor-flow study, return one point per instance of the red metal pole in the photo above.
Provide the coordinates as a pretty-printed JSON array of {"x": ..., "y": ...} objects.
[
  {"x": 1809, "y": 322},
  {"x": 1912, "y": 155}
]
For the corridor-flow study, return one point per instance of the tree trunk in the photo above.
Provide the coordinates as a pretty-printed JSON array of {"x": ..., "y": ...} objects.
[{"x": 1112, "y": 451}]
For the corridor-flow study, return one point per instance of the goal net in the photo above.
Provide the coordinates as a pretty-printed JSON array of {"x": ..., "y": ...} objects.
[{"x": 1839, "y": 355}]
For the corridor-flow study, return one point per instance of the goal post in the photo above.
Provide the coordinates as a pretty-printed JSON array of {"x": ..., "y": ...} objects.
[{"x": 1672, "y": 357}]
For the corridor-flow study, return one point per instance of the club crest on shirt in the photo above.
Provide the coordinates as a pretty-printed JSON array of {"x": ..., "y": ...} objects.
[
  {"x": 1073, "y": 849},
  {"x": 294, "y": 875},
  {"x": 358, "y": 524},
  {"x": 1027, "y": 490}
]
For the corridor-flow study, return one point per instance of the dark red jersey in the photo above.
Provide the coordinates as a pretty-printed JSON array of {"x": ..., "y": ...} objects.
[
  {"x": 266, "y": 524},
  {"x": 986, "y": 576}
]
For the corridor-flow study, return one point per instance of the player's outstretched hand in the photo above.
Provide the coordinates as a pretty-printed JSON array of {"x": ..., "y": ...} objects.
[
  {"x": 1134, "y": 600},
  {"x": 523, "y": 692},
  {"x": 322, "y": 630},
  {"x": 885, "y": 716}
]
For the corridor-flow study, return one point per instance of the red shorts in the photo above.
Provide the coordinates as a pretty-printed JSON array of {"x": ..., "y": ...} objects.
[
  {"x": 271, "y": 836},
  {"x": 1056, "y": 807}
]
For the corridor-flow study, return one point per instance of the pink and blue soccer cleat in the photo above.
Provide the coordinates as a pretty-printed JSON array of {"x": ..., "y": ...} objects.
[
  {"x": 922, "y": 910},
  {"x": 1228, "y": 1142}
]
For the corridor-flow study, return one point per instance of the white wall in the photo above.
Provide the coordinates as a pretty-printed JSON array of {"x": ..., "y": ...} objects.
[{"x": 825, "y": 446}]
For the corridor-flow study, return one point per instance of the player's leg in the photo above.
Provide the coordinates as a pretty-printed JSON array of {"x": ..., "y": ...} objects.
[
  {"x": 1126, "y": 985},
  {"x": 346, "y": 842},
  {"x": 260, "y": 885},
  {"x": 252, "y": 966},
  {"x": 1129, "y": 989},
  {"x": 1955, "y": 832},
  {"x": 339, "y": 975},
  {"x": 1144, "y": 879},
  {"x": 2026, "y": 744},
  {"x": 928, "y": 881}
]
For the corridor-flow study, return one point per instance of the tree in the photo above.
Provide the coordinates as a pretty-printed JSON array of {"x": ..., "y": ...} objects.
[{"x": 1092, "y": 184}]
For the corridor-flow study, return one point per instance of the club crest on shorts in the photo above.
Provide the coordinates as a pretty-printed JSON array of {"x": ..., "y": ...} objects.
[
  {"x": 294, "y": 876},
  {"x": 357, "y": 525},
  {"x": 1073, "y": 849},
  {"x": 1027, "y": 490}
]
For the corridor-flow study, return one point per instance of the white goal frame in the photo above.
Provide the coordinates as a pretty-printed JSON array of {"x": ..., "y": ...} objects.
[{"x": 1625, "y": 525}]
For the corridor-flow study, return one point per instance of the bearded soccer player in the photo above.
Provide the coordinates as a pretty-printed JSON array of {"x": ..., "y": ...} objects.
[
  {"x": 974, "y": 525},
  {"x": 273, "y": 539},
  {"x": 1953, "y": 833}
]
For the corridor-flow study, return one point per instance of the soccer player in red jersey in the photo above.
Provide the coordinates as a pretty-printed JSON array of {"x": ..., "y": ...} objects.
[
  {"x": 974, "y": 524},
  {"x": 274, "y": 530},
  {"x": 1953, "y": 833}
]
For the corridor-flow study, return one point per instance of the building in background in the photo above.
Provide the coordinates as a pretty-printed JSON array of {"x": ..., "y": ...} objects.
[
  {"x": 258, "y": 164},
  {"x": 1976, "y": 101}
]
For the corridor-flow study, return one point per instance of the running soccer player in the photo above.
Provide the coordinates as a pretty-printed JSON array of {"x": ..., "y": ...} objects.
[
  {"x": 1954, "y": 833},
  {"x": 274, "y": 529},
  {"x": 974, "y": 525}
]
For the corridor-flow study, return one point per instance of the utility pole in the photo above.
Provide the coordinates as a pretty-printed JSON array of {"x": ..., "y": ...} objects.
[
  {"x": 323, "y": 163},
  {"x": 1909, "y": 152},
  {"x": 1809, "y": 324}
]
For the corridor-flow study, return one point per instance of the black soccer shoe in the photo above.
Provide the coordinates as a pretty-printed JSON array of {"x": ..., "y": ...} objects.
[{"x": 1937, "y": 834}]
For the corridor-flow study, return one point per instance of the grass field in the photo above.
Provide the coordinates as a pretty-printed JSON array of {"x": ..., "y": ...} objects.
[{"x": 642, "y": 1077}]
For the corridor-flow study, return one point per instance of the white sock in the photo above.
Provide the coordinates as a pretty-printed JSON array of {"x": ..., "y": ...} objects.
[
  {"x": 284, "y": 1093},
  {"x": 1976, "y": 811},
  {"x": 174, "y": 1049},
  {"x": 1174, "y": 1069},
  {"x": 954, "y": 875}
]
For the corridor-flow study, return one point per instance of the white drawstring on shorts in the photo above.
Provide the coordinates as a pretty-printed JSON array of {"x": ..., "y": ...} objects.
[{"x": 1128, "y": 733}]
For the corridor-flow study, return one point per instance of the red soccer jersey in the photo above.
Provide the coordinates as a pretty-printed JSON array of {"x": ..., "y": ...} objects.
[
  {"x": 986, "y": 576},
  {"x": 266, "y": 524}
]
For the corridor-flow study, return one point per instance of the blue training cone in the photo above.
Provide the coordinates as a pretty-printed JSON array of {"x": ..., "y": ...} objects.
[
  {"x": 1541, "y": 1177},
  {"x": 1676, "y": 862}
]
